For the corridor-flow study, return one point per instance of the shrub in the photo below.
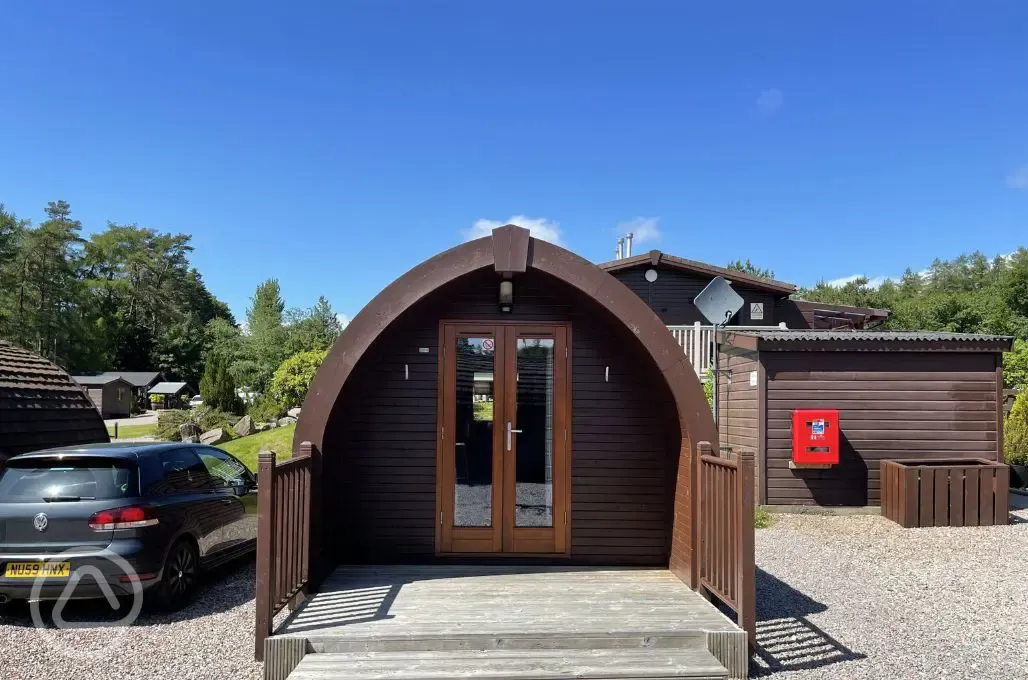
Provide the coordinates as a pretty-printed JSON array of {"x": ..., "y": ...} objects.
[
  {"x": 762, "y": 518},
  {"x": 1015, "y": 432},
  {"x": 708, "y": 388},
  {"x": 203, "y": 417},
  {"x": 293, "y": 378},
  {"x": 1015, "y": 365},
  {"x": 265, "y": 408},
  {"x": 217, "y": 387}
]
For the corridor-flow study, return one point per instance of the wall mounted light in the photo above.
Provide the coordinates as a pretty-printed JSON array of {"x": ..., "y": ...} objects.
[
  {"x": 506, "y": 296},
  {"x": 651, "y": 275}
]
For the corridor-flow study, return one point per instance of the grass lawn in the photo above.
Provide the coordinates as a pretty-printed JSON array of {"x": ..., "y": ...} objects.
[
  {"x": 279, "y": 440},
  {"x": 126, "y": 431}
]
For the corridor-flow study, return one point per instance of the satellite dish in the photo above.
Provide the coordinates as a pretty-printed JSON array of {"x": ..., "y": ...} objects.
[{"x": 718, "y": 301}]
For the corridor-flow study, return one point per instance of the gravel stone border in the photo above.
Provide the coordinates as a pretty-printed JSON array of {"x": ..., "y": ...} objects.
[
  {"x": 210, "y": 639},
  {"x": 861, "y": 598},
  {"x": 839, "y": 597}
]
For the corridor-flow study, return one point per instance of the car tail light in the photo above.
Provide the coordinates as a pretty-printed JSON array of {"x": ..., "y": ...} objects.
[{"x": 131, "y": 517}]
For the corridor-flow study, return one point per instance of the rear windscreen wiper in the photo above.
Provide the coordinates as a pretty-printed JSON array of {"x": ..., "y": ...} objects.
[{"x": 59, "y": 498}]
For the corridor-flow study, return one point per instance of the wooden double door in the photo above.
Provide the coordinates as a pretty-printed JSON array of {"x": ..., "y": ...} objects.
[{"x": 503, "y": 438}]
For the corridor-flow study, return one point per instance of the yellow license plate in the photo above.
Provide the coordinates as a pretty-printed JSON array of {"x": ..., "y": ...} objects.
[{"x": 38, "y": 570}]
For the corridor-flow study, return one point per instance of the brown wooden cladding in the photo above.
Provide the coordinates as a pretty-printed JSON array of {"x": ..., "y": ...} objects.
[
  {"x": 624, "y": 433},
  {"x": 958, "y": 493},
  {"x": 738, "y": 402},
  {"x": 671, "y": 296},
  {"x": 904, "y": 406}
]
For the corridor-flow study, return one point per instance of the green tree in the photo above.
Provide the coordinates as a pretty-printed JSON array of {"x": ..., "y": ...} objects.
[
  {"x": 264, "y": 343},
  {"x": 313, "y": 329},
  {"x": 293, "y": 378},
  {"x": 1015, "y": 366},
  {"x": 152, "y": 305},
  {"x": 1015, "y": 432},
  {"x": 217, "y": 387},
  {"x": 748, "y": 267},
  {"x": 48, "y": 295},
  {"x": 12, "y": 231}
]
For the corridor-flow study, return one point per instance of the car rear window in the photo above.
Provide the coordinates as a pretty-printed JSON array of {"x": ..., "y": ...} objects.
[{"x": 35, "y": 480}]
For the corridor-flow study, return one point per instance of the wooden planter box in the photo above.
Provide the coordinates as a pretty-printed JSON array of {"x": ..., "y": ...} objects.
[{"x": 942, "y": 492}]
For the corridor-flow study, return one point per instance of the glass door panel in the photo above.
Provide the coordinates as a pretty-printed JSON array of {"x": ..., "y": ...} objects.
[
  {"x": 533, "y": 495},
  {"x": 473, "y": 445}
]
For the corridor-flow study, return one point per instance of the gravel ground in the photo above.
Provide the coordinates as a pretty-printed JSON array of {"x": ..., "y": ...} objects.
[
  {"x": 860, "y": 598},
  {"x": 212, "y": 638}
]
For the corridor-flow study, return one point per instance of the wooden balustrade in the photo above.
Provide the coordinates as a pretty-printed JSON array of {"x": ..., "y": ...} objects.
[
  {"x": 283, "y": 536},
  {"x": 727, "y": 561}
]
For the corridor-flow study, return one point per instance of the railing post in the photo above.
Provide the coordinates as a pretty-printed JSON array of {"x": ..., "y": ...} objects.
[
  {"x": 697, "y": 348},
  {"x": 265, "y": 545},
  {"x": 314, "y": 559},
  {"x": 701, "y": 518},
  {"x": 747, "y": 586},
  {"x": 307, "y": 513}
]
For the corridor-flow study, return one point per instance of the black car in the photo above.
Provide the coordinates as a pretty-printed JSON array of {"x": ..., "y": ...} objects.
[{"x": 159, "y": 513}]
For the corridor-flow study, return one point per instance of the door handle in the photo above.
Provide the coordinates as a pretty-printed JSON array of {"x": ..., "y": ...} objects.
[{"x": 509, "y": 433}]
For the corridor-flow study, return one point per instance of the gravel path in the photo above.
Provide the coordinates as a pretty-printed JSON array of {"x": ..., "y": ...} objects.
[
  {"x": 860, "y": 598},
  {"x": 212, "y": 638}
]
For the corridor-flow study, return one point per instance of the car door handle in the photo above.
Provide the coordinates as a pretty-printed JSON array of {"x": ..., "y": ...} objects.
[{"x": 509, "y": 433}]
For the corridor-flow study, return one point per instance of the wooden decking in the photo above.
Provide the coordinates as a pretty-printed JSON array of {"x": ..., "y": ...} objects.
[{"x": 373, "y": 613}]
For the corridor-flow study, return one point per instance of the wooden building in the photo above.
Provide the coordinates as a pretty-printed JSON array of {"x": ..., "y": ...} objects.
[
  {"x": 668, "y": 285},
  {"x": 900, "y": 395},
  {"x": 112, "y": 395},
  {"x": 505, "y": 413},
  {"x": 141, "y": 382},
  {"x": 41, "y": 406}
]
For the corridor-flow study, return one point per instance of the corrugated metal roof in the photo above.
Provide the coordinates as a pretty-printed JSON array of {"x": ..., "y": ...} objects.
[
  {"x": 783, "y": 335},
  {"x": 135, "y": 378},
  {"x": 168, "y": 388},
  {"x": 94, "y": 379},
  {"x": 41, "y": 406}
]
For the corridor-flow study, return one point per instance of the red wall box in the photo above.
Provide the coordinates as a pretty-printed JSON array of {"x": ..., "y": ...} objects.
[{"x": 815, "y": 437}]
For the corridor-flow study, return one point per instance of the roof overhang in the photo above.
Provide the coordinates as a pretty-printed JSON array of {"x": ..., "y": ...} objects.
[
  {"x": 656, "y": 258},
  {"x": 806, "y": 341}
]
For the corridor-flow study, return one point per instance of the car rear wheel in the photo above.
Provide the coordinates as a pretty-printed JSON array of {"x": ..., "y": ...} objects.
[{"x": 178, "y": 579}]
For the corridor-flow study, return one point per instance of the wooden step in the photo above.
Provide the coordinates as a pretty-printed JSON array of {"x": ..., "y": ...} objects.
[
  {"x": 514, "y": 664},
  {"x": 440, "y": 642}
]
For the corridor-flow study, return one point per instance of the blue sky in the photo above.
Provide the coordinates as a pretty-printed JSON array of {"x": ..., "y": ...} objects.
[{"x": 335, "y": 145}]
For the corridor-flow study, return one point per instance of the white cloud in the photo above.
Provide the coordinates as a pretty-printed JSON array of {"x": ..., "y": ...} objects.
[
  {"x": 872, "y": 282},
  {"x": 540, "y": 227},
  {"x": 770, "y": 102},
  {"x": 643, "y": 229},
  {"x": 343, "y": 320},
  {"x": 842, "y": 281},
  {"x": 1018, "y": 179}
]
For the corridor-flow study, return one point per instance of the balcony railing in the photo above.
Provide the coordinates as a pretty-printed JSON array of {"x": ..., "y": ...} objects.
[{"x": 697, "y": 341}]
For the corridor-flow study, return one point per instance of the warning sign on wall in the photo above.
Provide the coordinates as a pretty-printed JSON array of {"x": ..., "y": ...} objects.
[{"x": 757, "y": 311}]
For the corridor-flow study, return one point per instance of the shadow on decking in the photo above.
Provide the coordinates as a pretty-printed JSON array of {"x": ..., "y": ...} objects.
[
  {"x": 348, "y": 601},
  {"x": 344, "y": 608},
  {"x": 786, "y": 640}
]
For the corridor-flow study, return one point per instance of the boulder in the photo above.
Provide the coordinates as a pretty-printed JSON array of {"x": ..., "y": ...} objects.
[
  {"x": 260, "y": 427},
  {"x": 245, "y": 426},
  {"x": 288, "y": 420},
  {"x": 214, "y": 437},
  {"x": 294, "y": 412},
  {"x": 271, "y": 424},
  {"x": 189, "y": 433}
]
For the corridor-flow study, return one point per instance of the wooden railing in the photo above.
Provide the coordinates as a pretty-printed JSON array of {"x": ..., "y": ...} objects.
[
  {"x": 283, "y": 537},
  {"x": 697, "y": 341},
  {"x": 727, "y": 563}
]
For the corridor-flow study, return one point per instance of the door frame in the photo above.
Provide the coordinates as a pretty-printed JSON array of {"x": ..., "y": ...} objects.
[{"x": 495, "y": 540}]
